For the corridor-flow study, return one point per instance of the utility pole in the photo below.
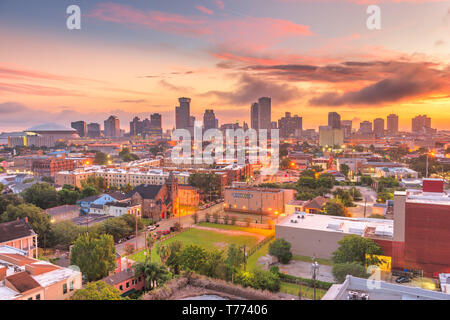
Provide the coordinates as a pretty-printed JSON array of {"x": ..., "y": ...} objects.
[
  {"x": 136, "y": 218},
  {"x": 245, "y": 259},
  {"x": 426, "y": 175}
]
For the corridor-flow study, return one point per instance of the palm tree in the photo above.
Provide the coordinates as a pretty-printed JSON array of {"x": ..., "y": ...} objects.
[
  {"x": 154, "y": 274},
  {"x": 150, "y": 242},
  {"x": 164, "y": 253}
]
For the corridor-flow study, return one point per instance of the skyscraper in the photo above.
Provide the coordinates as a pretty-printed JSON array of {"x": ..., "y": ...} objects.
[
  {"x": 183, "y": 113},
  {"x": 378, "y": 127},
  {"x": 392, "y": 124},
  {"x": 135, "y": 127},
  {"x": 346, "y": 125},
  {"x": 254, "y": 120},
  {"x": 156, "y": 121},
  {"x": 93, "y": 130},
  {"x": 421, "y": 123},
  {"x": 365, "y": 127},
  {"x": 334, "y": 120},
  {"x": 80, "y": 126},
  {"x": 209, "y": 120},
  {"x": 265, "y": 113},
  {"x": 290, "y": 126},
  {"x": 112, "y": 127}
]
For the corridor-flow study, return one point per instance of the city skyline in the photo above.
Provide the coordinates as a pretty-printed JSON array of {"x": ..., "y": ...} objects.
[{"x": 135, "y": 59}]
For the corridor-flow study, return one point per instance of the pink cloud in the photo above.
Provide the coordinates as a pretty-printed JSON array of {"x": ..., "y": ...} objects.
[
  {"x": 220, "y": 4},
  {"x": 204, "y": 10},
  {"x": 263, "y": 31}
]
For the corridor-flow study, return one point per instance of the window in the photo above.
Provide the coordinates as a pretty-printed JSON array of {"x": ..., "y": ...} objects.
[
  {"x": 38, "y": 297},
  {"x": 121, "y": 287},
  {"x": 128, "y": 284},
  {"x": 64, "y": 288},
  {"x": 71, "y": 286},
  {"x": 30, "y": 298}
]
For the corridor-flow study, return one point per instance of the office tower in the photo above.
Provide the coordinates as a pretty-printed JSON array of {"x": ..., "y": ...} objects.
[
  {"x": 93, "y": 130},
  {"x": 290, "y": 126},
  {"x": 209, "y": 120},
  {"x": 112, "y": 127},
  {"x": 365, "y": 127},
  {"x": 254, "y": 120},
  {"x": 156, "y": 121},
  {"x": 346, "y": 125},
  {"x": 330, "y": 137},
  {"x": 135, "y": 127},
  {"x": 421, "y": 123},
  {"x": 265, "y": 113},
  {"x": 378, "y": 127},
  {"x": 392, "y": 124},
  {"x": 183, "y": 114},
  {"x": 334, "y": 120},
  {"x": 80, "y": 126}
]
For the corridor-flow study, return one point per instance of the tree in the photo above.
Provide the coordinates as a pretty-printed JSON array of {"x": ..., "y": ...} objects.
[
  {"x": 42, "y": 195},
  {"x": 164, "y": 252},
  {"x": 353, "y": 248},
  {"x": 285, "y": 163},
  {"x": 116, "y": 227},
  {"x": 308, "y": 173},
  {"x": 281, "y": 249},
  {"x": 334, "y": 208},
  {"x": 127, "y": 156},
  {"x": 344, "y": 169},
  {"x": 308, "y": 182},
  {"x": 214, "y": 265},
  {"x": 341, "y": 270},
  {"x": 326, "y": 180},
  {"x": 150, "y": 242},
  {"x": 235, "y": 259},
  {"x": 195, "y": 217},
  {"x": 63, "y": 233},
  {"x": 129, "y": 249},
  {"x": 100, "y": 158},
  {"x": 366, "y": 180},
  {"x": 258, "y": 279},
  {"x": 154, "y": 274},
  {"x": 383, "y": 196},
  {"x": 8, "y": 199},
  {"x": 95, "y": 257},
  {"x": 2, "y": 187},
  {"x": 97, "y": 291},
  {"x": 344, "y": 197},
  {"x": 207, "y": 183},
  {"x": 192, "y": 258},
  {"x": 69, "y": 195},
  {"x": 38, "y": 220},
  {"x": 172, "y": 261}
]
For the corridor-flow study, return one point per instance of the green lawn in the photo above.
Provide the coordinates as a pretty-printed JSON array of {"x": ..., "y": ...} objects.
[
  {"x": 204, "y": 238},
  {"x": 264, "y": 232},
  {"x": 252, "y": 261},
  {"x": 307, "y": 292}
]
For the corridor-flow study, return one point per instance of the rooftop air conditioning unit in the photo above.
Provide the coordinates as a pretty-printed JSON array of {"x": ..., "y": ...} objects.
[
  {"x": 364, "y": 296},
  {"x": 352, "y": 295}
]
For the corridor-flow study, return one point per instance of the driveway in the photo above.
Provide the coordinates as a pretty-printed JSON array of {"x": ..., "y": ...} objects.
[{"x": 303, "y": 269}]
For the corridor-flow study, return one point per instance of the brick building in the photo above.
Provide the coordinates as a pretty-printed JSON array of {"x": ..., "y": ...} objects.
[{"x": 19, "y": 234}]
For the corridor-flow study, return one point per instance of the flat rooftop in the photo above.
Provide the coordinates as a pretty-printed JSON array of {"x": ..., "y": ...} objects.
[{"x": 360, "y": 226}]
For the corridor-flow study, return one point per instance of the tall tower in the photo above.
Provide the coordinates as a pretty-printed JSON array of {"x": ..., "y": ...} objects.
[
  {"x": 392, "y": 124},
  {"x": 254, "y": 119},
  {"x": 334, "y": 120},
  {"x": 112, "y": 127},
  {"x": 265, "y": 113},
  {"x": 378, "y": 127},
  {"x": 209, "y": 119},
  {"x": 183, "y": 113}
]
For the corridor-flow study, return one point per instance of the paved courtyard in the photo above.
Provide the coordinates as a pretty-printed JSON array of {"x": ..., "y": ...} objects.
[{"x": 303, "y": 269}]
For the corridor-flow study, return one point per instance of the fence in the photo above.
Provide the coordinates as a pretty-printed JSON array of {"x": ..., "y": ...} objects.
[{"x": 260, "y": 245}]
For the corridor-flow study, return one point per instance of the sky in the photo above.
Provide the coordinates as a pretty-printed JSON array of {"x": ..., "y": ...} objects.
[{"x": 137, "y": 57}]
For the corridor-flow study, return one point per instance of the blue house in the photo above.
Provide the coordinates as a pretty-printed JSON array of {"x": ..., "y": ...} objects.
[{"x": 86, "y": 203}]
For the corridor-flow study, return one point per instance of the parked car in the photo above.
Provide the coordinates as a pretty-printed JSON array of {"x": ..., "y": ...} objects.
[
  {"x": 151, "y": 228},
  {"x": 403, "y": 280},
  {"x": 166, "y": 232}
]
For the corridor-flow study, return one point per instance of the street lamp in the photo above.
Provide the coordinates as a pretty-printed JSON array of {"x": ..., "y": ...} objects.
[{"x": 314, "y": 274}]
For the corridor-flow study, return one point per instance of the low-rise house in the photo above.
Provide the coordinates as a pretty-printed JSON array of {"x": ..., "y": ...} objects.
[
  {"x": 125, "y": 282},
  {"x": 63, "y": 213},
  {"x": 117, "y": 209},
  {"x": 19, "y": 234},
  {"x": 86, "y": 203},
  {"x": 24, "y": 278},
  {"x": 315, "y": 205}
]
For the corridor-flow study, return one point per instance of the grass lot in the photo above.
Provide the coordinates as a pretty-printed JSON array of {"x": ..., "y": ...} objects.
[
  {"x": 307, "y": 292},
  {"x": 264, "y": 232},
  {"x": 309, "y": 259},
  {"x": 204, "y": 238},
  {"x": 252, "y": 261}
]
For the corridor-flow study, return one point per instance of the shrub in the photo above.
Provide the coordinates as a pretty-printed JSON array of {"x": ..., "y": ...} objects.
[{"x": 281, "y": 249}]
